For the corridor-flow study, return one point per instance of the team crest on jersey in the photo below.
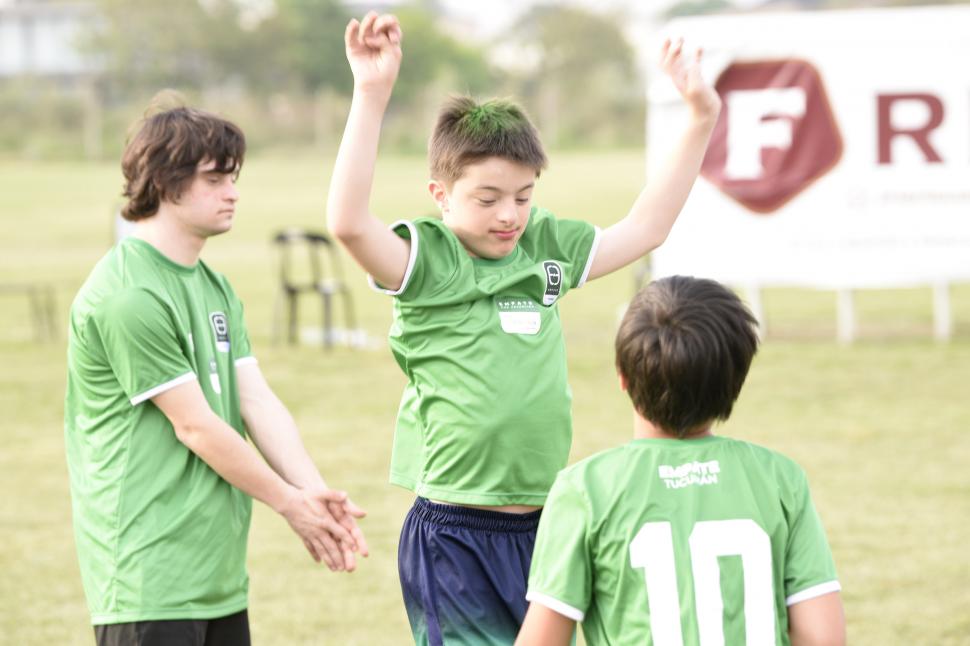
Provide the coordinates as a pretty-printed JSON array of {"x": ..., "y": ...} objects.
[
  {"x": 689, "y": 473},
  {"x": 220, "y": 328},
  {"x": 553, "y": 281}
]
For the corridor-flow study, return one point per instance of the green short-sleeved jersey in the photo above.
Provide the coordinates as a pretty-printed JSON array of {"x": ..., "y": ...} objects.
[
  {"x": 159, "y": 534},
  {"x": 485, "y": 417},
  {"x": 672, "y": 542}
]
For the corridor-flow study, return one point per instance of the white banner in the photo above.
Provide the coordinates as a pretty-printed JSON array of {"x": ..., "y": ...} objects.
[{"x": 842, "y": 154}]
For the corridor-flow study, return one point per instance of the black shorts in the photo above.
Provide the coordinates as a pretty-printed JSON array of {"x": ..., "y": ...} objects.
[{"x": 223, "y": 631}]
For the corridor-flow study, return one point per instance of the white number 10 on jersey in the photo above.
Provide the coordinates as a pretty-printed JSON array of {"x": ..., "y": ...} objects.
[{"x": 653, "y": 550}]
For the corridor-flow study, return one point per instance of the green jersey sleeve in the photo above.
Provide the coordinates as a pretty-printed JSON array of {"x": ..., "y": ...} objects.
[
  {"x": 560, "y": 576},
  {"x": 572, "y": 242},
  {"x": 433, "y": 261},
  {"x": 809, "y": 567},
  {"x": 137, "y": 334}
]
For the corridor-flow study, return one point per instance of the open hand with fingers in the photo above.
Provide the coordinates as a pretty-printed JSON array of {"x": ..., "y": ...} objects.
[
  {"x": 326, "y": 521},
  {"x": 373, "y": 47},
  {"x": 685, "y": 71}
]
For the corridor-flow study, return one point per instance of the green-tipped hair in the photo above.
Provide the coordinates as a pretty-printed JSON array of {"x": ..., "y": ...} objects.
[
  {"x": 467, "y": 132},
  {"x": 491, "y": 118}
]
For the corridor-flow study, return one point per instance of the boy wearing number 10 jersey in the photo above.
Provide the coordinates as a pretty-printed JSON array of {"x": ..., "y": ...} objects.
[{"x": 682, "y": 537}]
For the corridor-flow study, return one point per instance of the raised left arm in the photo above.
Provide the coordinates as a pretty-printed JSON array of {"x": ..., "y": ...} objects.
[{"x": 653, "y": 213}]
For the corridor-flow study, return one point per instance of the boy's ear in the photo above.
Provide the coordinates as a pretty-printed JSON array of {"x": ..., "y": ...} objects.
[
  {"x": 622, "y": 379},
  {"x": 438, "y": 194}
]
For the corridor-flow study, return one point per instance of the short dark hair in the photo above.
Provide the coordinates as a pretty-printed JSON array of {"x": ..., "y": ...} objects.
[
  {"x": 165, "y": 152},
  {"x": 684, "y": 348},
  {"x": 467, "y": 132}
]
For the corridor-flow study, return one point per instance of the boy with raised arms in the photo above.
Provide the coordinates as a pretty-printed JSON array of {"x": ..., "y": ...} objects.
[
  {"x": 680, "y": 536},
  {"x": 484, "y": 422}
]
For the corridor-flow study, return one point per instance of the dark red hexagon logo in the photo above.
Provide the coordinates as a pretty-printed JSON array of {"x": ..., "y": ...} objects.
[{"x": 775, "y": 135}]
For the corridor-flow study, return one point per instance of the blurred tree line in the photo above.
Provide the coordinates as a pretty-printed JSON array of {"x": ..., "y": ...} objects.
[{"x": 278, "y": 68}]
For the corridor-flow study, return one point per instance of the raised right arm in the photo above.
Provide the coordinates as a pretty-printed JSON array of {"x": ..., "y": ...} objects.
[{"x": 374, "y": 51}]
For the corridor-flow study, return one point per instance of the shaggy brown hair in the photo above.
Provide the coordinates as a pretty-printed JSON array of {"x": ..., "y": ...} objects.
[
  {"x": 468, "y": 132},
  {"x": 162, "y": 157},
  {"x": 684, "y": 348}
]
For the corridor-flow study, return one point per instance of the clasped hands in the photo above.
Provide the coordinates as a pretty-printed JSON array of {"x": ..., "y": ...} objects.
[{"x": 326, "y": 520}]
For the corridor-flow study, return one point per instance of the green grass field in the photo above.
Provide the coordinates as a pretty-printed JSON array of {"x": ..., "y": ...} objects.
[{"x": 881, "y": 426}]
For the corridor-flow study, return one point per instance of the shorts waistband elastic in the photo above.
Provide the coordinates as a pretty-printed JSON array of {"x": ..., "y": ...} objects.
[{"x": 473, "y": 518}]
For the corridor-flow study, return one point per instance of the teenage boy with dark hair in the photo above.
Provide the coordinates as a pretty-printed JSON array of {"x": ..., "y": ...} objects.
[
  {"x": 484, "y": 422},
  {"x": 680, "y": 536},
  {"x": 162, "y": 390}
]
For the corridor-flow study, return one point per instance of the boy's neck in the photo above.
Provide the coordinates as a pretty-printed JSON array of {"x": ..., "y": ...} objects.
[
  {"x": 170, "y": 240},
  {"x": 644, "y": 429}
]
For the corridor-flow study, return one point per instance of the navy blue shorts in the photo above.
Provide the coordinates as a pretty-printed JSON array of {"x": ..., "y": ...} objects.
[{"x": 464, "y": 573}]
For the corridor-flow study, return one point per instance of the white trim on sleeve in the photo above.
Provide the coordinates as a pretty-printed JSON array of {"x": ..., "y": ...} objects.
[
  {"x": 556, "y": 605},
  {"x": 245, "y": 361},
  {"x": 168, "y": 385},
  {"x": 812, "y": 592},
  {"x": 589, "y": 259},
  {"x": 411, "y": 258}
]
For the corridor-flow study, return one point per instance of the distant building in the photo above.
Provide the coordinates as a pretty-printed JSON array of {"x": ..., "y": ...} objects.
[{"x": 40, "y": 38}]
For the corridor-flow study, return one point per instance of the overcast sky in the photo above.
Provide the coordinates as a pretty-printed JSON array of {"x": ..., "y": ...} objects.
[
  {"x": 485, "y": 19},
  {"x": 494, "y": 15}
]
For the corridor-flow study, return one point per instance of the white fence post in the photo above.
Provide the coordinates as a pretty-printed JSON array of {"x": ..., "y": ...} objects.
[
  {"x": 757, "y": 308},
  {"x": 942, "y": 313},
  {"x": 845, "y": 316}
]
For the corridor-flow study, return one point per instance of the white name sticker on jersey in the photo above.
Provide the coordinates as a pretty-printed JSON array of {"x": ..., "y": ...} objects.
[
  {"x": 690, "y": 473},
  {"x": 518, "y": 315}
]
